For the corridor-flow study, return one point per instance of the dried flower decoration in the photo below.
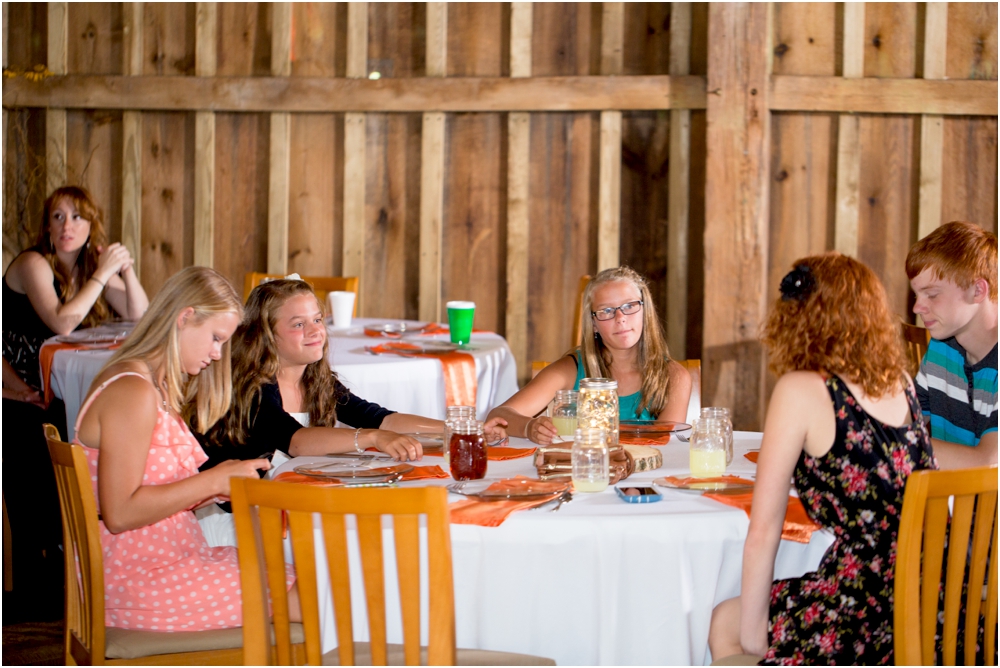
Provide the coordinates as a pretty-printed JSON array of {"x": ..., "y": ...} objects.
[{"x": 798, "y": 284}]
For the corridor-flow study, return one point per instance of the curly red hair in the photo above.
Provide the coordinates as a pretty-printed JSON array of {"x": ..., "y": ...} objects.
[{"x": 842, "y": 326}]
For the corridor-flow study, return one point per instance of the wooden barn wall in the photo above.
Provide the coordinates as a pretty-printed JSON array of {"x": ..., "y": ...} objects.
[{"x": 800, "y": 157}]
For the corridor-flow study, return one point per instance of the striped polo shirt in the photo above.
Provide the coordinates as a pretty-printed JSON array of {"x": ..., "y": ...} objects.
[{"x": 960, "y": 399}]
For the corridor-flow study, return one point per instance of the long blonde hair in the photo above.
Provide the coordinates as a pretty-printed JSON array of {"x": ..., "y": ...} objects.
[
  {"x": 256, "y": 364},
  {"x": 204, "y": 398},
  {"x": 653, "y": 359}
]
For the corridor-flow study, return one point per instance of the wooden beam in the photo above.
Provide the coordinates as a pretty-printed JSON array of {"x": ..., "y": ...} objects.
[
  {"x": 678, "y": 187},
  {"x": 432, "y": 142},
  {"x": 206, "y": 19},
  {"x": 736, "y": 210},
  {"x": 847, "y": 195},
  {"x": 956, "y": 97},
  {"x": 354, "y": 152},
  {"x": 932, "y": 125},
  {"x": 518, "y": 194},
  {"x": 55, "y": 118},
  {"x": 280, "y": 146},
  {"x": 610, "y": 168},
  {"x": 132, "y": 14},
  {"x": 338, "y": 94}
]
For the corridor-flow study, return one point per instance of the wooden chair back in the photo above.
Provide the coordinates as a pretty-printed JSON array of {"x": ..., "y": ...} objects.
[
  {"x": 258, "y": 509},
  {"x": 321, "y": 285},
  {"x": 578, "y": 313},
  {"x": 917, "y": 339},
  {"x": 694, "y": 403},
  {"x": 84, "y": 632},
  {"x": 924, "y": 530}
]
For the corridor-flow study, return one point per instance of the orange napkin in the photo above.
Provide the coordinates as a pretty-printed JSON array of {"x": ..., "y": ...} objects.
[
  {"x": 502, "y": 454},
  {"x": 752, "y": 456},
  {"x": 459, "y": 370},
  {"x": 48, "y": 352},
  {"x": 626, "y": 439},
  {"x": 683, "y": 482},
  {"x": 493, "y": 513},
  {"x": 418, "y": 473},
  {"x": 798, "y": 527}
]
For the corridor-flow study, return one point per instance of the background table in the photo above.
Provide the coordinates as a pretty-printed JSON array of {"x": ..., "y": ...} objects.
[
  {"x": 405, "y": 384},
  {"x": 600, "y": 581}
]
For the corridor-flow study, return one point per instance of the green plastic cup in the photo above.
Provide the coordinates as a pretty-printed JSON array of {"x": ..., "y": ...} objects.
[{"x": 460, "y": 317}]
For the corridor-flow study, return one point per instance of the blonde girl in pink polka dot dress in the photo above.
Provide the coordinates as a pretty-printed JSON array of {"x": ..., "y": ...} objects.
[{"x": 159, "y": 574}]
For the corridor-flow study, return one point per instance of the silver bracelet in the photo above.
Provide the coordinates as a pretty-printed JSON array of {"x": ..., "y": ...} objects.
[{"x": 357, "y": 447}]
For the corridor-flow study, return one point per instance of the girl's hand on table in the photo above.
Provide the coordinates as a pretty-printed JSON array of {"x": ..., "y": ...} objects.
[
  {"x": 235, "y": 468},
  {"x": 540, "y": 430},
  {"x": 495, "y": 429},
  {"x": 400, "y": 447}
]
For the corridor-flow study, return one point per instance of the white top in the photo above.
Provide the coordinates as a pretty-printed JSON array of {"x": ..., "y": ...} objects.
[{"x": 303, "y": 418}]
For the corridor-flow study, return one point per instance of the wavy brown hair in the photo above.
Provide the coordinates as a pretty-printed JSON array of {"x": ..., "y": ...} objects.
[
  {"x": 86, "y": 261},
  {"x": 255, "y": 363},
  {"x": 653, "y": 357},
  {"x": 200, "y": 399},
  {"x": 842, "y": 326}
]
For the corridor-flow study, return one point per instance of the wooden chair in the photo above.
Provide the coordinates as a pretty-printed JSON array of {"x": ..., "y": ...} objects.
[
  {"x": 87, "y": 641},
  {"x": 321, "y": 285},
  {"x": 923, "y": 531},
  {"x": 917, "y": 339},
  {"x": 258, "y": 508},
  {"x": 694, "y": 403}
]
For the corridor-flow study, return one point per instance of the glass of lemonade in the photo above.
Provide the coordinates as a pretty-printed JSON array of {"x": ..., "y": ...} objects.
[
  {"x": 708, "y": 448},
  {"x": 590, "y": 460},
  {"x": 564, "y": 413}
]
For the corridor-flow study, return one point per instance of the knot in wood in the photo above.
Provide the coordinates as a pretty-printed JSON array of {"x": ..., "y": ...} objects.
[{"x": 782, "y": 49}]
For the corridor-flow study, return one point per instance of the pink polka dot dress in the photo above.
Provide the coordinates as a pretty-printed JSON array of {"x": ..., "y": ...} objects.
[{"x": 165, "y": 577}]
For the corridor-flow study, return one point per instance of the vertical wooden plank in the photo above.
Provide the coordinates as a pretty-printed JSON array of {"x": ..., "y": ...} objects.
[
  {"x": 932, "y": 127},
  {"x": 888, "y": 175},
  {"x": 132, "y": 25},
  {"x": 678, "y": 186},
  {"x": 432, "y": 170},
  {"x": 610, "y": 174},
  {"x": 315, "y": 231},
  {"x": 969, "y": 173},
  {"x": 280, "y": 146},
  {"x": 9, "y": 251},
  {"x": 848, "y": 147},
  {"x": 736, "y": 207},
  {"x": 354, "y": 151},
  {"x": 518, "y": 194},
  {"x": 55, "y": 119},
  {"x": 206, "y": 34}
]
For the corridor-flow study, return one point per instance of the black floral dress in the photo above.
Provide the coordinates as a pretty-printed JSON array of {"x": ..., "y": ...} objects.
[{"x": 842, "y": 612}]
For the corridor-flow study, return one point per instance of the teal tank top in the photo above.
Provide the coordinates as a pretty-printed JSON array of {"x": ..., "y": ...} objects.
[{"x": 627, "y": 406}]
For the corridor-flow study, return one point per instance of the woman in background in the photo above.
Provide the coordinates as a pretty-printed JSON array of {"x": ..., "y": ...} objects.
[
  {"x": 844, "y": 421},
  {"x": 622, "y": 340}
]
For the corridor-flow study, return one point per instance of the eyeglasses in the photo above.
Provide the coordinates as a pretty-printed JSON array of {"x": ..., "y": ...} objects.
[{"x": 628, "y": 308}]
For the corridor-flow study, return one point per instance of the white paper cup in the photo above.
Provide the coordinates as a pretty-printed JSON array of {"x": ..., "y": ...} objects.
[{"x": 342, "y": 307}]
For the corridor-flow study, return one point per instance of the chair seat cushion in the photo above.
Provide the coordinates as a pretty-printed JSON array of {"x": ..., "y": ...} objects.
[
  {"x": 132, "y": 644},
  {"x": 463, "y": 657}
]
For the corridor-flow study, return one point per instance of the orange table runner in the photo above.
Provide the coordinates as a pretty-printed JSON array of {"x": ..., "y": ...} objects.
[
  {"x": 493, "y": 513},
  {"x": 797, "y": 527},
  {"x": 459, "y": 370},
  {"x": 47, "y": 355},
  {"x": 492, "y": 454}
]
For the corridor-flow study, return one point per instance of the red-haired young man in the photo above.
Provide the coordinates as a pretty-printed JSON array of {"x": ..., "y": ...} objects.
[{"x": 953, "y": 272}]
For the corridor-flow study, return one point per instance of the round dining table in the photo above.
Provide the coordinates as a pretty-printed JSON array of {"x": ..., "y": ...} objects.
[
  {"x": 597, "y": 582},
  {"x": 404, "y": 384}
]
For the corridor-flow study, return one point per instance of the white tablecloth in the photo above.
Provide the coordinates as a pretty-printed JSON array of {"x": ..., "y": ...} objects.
[
  {"x": 598, "y": 582},
  {"x": 403, "y": 384}
]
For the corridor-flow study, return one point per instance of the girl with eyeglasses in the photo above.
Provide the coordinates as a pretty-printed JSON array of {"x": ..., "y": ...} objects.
[{"x": 622, "y": 340}]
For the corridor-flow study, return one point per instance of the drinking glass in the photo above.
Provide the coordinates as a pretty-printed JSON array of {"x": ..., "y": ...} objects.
[
  {"x": 708, "y": 448},
  {"x": 460, "y": 317},
  {"x": 452, "y": 413},
  {"x": 564, "y": 413},
  {"x": 590, "y": 460},
  {"x": 722, "y": 414},
  {"x": 467, "y": 448}
]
